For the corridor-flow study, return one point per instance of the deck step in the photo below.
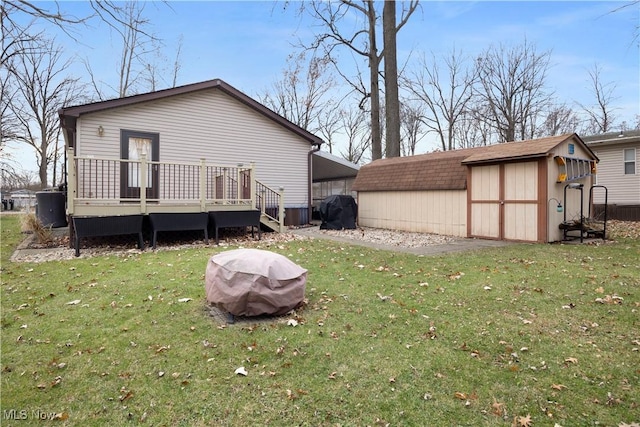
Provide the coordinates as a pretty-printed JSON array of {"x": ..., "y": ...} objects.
[{"x": 273, "y": 225}]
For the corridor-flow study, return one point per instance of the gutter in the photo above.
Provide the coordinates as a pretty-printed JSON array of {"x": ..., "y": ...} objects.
[{"x": 315, "y": 149}]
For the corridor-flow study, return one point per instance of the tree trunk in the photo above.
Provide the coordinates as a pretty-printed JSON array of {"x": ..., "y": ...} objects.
[
  {"x": 374, "y": 66},
  {"x": 392, "y": 103}
]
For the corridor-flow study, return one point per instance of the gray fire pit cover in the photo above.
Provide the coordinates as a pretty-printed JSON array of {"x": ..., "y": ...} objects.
[{"x": 252, "y": 282}]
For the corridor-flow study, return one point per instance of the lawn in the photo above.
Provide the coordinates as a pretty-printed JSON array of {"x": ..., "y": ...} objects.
[{"x": 527, "y": 335}]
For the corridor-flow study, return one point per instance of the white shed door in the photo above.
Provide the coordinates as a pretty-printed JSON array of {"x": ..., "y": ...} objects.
[{"x": 504, "y": 201}]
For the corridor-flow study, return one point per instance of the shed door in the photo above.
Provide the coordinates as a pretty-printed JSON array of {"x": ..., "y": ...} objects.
[
  {"x": 132, "y": 146},
  {"x": 504, "y": 201}
]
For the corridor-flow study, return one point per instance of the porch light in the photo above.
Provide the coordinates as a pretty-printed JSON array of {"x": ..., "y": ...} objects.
[
  {"x": 100, "y": 130},
  {"x": 559, "y": 207}
]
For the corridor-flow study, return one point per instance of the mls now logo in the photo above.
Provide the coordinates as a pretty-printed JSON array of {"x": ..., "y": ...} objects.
[{"x": 14, "y": 414}]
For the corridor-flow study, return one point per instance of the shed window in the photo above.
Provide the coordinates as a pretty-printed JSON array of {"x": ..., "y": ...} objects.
[{"x": 630, "y": 161}]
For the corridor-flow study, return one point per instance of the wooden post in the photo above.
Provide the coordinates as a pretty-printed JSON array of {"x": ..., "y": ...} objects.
[
  {"x": 225, "y": 177},
  {"x": 72, "y": 181},
  {"x": 252, "y": 185},
  {"x": 143, "y": 182},
  {"x": 281, "y": 211},
  {"x": 203, "y": 186}
]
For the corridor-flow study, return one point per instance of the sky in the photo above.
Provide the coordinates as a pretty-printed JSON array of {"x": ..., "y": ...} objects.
[{"x": 246, "y": 43}]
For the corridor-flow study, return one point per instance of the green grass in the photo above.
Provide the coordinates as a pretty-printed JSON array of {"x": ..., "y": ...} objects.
[{"x": 473, "y": 339}]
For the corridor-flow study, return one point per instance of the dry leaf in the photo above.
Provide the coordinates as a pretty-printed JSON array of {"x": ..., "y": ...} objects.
[
  {"x": 62, "y": 416},
  {"x": 558, "y": 386},
  {"x": 74, "y": 302},
  {"x": 292, "y": 322},
  {"x": 241, "y": 371},
  {"x": 460, "y": 395},
  {"x": 184, "y": 300},
  {"x": 332, "y": 375},
  {"x": 570, "y": 360},
  {"x": 523, "y": 421},
  {"x": 497, "y": 408}
]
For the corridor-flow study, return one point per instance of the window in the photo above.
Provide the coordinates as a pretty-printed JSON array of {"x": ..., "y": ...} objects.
[{"x": 630, "y": 161}]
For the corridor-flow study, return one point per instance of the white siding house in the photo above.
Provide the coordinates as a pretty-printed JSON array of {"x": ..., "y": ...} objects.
[
  {"x": 207, "y": 123},
  {"x": 619, "y": 172}
]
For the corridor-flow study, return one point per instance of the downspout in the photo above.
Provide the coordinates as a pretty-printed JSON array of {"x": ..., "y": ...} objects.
[{"x": 315, "y": 149}]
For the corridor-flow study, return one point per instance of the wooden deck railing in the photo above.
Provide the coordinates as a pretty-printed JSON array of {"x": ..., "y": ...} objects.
[{"x": 102, "y": 186}]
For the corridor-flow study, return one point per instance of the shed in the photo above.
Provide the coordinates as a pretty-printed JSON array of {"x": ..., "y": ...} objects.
[{"x": 509, "y": 191}]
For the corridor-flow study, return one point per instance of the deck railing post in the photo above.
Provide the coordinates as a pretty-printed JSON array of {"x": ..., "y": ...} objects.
[
  {"x": 252, "y": 185},
  {"x": 203, "y": 185},
  {"x": 225, "y": 183},
  {"x": 281, "y": 212},
  {"x": 72, "y": 181},
  {"x": 143, "y": 183}
]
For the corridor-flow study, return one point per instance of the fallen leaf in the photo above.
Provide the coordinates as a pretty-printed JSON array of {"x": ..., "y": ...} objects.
[
  {"x": 62, "y": 416},
  {"x": 184, "y": 300},
  {"x": 332, "y": 375},
  {"x": 292, "y": 322},
  {"x": 460, "y": 395},
  {"x": 558, "y": 386},
  {"x": 570, "y": 360},
  {"x": 241, "y": 371},
  {"x": 497, "y": 408},
  {"x": 523, "y": 421},
  {"x": 74, "y": 302}
]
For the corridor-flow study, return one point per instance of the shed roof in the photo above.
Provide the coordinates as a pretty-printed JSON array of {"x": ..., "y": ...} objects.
[
  {"x": 447, "y": 170},
  {"x": 69, "y": 115}
]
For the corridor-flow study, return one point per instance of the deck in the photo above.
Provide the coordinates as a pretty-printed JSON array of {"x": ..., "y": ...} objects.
[{"x": 99, "y": 187}]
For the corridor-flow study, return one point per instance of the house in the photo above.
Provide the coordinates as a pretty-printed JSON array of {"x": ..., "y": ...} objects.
[
  {"x": 179, "y": 154},
  {"x": 619, "y": 172},
  {"x": 519, "y": 191}
]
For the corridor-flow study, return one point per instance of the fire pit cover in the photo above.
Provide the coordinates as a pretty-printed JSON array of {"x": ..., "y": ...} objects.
[{"x": 252, "y": 282}]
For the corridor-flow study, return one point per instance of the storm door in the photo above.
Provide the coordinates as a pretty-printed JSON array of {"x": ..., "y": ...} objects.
[{"x": 133, "y": 145}]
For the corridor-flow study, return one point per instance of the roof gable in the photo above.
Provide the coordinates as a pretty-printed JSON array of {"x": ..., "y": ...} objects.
[{"x": 69, "y": 115}]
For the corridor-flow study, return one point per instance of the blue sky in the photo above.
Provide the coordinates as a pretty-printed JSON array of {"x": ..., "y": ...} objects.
[{"x": 246, "y": 43}]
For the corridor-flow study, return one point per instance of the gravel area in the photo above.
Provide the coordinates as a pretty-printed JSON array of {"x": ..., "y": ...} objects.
[{"x": 58, "y": 249}]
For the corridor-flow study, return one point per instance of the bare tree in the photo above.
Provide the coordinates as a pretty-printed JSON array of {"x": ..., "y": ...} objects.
[
  {"x": 329, "y": 126},
  {"x": 512, "y": 87},
  {"x": 411, "y": 127},
  {"x": 42, "y": 89},
  {"x": 337, "y": 20},
  {"x": 472, "y": 130},
  {"x": 358, "y": 135},
  {"x": 600, "y": 116},
  {"x": 134, "y": 67},
  {"x": 560, "y": 120},
  {"x": 300, "y": 95},
  {"x": 445, "y": 91}
]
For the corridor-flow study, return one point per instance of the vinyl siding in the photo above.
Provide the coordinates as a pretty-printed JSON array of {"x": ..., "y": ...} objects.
[
  {"x": 206, "y": 125},
  {"x": 440, "y": 212},
  {"x": 622, "y": 189}
]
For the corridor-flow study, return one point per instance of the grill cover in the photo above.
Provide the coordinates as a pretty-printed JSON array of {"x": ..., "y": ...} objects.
[
  {"x": 253, "y": 282},
  {"x": 338, "y": 212}
]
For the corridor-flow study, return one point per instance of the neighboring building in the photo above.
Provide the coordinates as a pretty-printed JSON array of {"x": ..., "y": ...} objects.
[
  {"x": 507, "y": 191},
  {"x": 619, "y": 172}
]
